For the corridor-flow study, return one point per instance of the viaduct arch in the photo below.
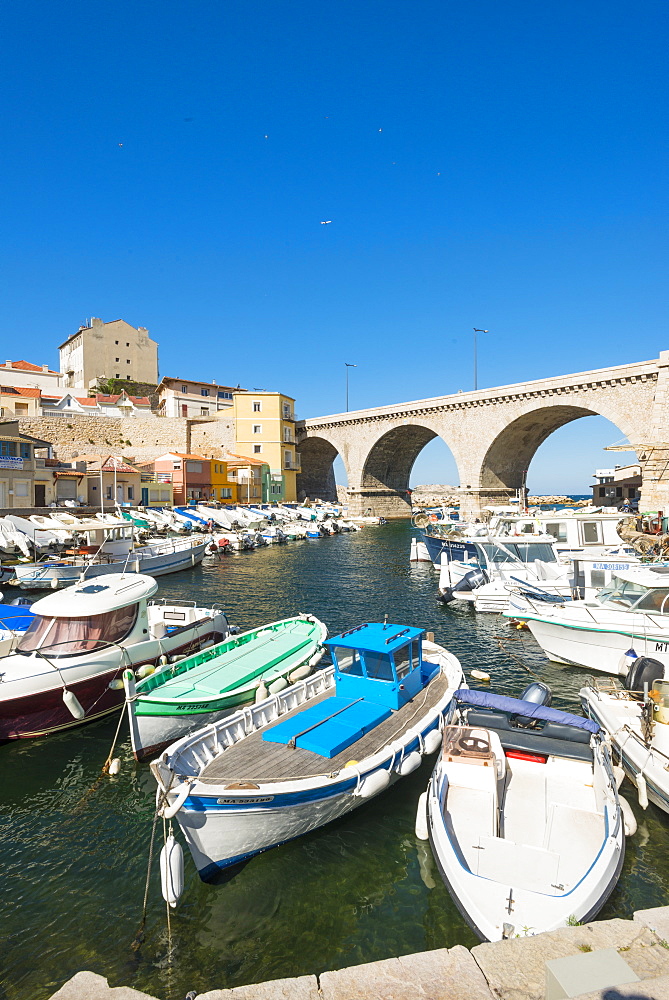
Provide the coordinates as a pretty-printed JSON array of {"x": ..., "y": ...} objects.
[{"x": 493, "y": 435}]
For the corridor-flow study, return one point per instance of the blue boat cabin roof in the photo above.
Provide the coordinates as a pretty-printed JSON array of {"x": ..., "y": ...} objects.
[{"x": 376, "y": 637}]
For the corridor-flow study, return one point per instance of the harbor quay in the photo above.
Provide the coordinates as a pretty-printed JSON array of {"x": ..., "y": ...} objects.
[{"x": 613, "y": 959}]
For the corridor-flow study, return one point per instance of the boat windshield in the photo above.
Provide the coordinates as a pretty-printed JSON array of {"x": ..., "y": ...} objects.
[
  {"x": 519, "y": 552},
  {"x": 624, "y": 593},
  {"x": 65, "y": 636}
]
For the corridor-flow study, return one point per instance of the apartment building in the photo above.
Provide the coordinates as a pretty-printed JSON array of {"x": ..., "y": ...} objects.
[
  {"x": 108, "y": 350},
  {"x": 251, "y": 476},
  {"x": 265, "y": 431},
  {"x": 186, "y": 398},
  {"x": 112, "y": 480}
]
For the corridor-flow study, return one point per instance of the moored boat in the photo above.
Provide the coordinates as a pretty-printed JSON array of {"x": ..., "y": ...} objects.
[
  {"x": 81, "y": 639},
  {"x": 206, "y": 686},
  {"x": 523, "y": 816},
  {"x": 313, "y": 752}
]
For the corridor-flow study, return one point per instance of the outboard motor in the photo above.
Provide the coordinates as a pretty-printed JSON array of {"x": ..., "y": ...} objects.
[
  {"x": 539, "y": 694},
  {"x": 644, "y": 670},
  {"x": 470, "y": 581}
]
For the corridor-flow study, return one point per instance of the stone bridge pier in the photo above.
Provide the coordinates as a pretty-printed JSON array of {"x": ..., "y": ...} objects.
[{"x": 493, "y": 435}]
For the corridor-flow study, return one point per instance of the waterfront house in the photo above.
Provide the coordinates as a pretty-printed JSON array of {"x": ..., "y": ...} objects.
[
  {"x": 191, "y": 476},
  {"x": 253, "y": 478},
  {"x": 223, "y": 489},
  {"x": 616, "y": 487},
  {"x": 24, "y": 479},
  {"x": 112, "y": 478},
  {"x": 265, "y": 430}
]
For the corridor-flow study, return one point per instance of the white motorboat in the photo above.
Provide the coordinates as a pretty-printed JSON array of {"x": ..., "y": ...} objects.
[
  {"x": 635, "y": 715},
  {"x": 313, "y": 752},
  {"x": 81, "y": 639},
  {"x": 523, "y": 816},
  {"x": 109, "y": 555},
  {"x": 627, "y": 619}
]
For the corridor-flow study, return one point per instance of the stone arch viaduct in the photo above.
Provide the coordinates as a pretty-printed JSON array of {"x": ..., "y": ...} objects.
[{"x": 492, "y": 433}]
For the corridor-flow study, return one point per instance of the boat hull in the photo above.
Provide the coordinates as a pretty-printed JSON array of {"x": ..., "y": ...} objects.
[
  {"x": 599, "y": 649},
  {"x": 39, "y": 712}
]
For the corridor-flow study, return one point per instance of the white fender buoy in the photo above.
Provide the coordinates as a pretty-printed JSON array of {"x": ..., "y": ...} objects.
[
  {"x": 619, "y": 775},
  {"x": 169, "y": 812},
  {"x": 114, "y": 766},
  {"x": 144, "y": 671},
  {"x": 642, "y": 790},
  {"x": 479, "y": 675},
  {"x": 629, "y": 820},
  {"x": 278, "y": 685},
  {"x": 409, "y": 763},
  {"x": 172, "y": 870},
  {"x": 421, "y": 817},
  {"x": 116, "y": 684},
  {"x": 373, "y": 784},
  {"x": 163, "y": 660},
  {"x": 432, "y": 741},
  {"x": 261, "y": 692},
  {"x": 300, "y": 673},
  {"x": 73, "y": 704}
]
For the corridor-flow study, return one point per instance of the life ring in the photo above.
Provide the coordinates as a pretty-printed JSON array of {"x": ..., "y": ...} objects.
[{"x": 433, "y": 518}]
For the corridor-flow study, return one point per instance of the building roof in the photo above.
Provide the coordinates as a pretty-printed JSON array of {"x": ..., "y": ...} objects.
[
  {"x": 84, "y": 400},
  {"x": 166, "y": 379},
  {"x": 113, "y": 399},
  {"x": 236, "y": 460},
  {"x": 112, "y": 463},
  {"x": 27, "y": 366},
  {"x": 17, "y": 390}
]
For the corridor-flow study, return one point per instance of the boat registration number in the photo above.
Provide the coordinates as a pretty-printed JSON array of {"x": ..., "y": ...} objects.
[
  {"x": 194, "y": 708},
  {"x": 245, "y": 802},
  {"x": 611, "y": 566},
  {"x": 661, "y": 647}
]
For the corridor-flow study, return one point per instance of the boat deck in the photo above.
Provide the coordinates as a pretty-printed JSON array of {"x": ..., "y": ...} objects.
[{"x": 252, "y": 759}]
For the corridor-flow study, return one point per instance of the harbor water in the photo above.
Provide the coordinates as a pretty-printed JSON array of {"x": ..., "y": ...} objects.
[{"x": 74, "y": 845}]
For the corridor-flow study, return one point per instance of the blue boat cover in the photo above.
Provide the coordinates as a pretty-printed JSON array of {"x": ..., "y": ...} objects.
[
  {"x": 328, "y": 736},
  {"x": 16, "y": 618},
  {"x": 514, "y": 706}
]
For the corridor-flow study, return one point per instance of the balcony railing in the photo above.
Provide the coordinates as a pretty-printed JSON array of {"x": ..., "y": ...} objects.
[{"x": 157, "y": 477}]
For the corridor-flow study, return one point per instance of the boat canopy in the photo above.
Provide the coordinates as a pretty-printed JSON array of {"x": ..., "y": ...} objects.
[
  {"x": 514, "y": 706},
  {"x": 96, "y": 596},
  {"x": 376, "y": 637}
]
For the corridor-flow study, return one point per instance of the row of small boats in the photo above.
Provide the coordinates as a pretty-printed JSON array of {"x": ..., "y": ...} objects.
[{"x": 41, "y": 552}]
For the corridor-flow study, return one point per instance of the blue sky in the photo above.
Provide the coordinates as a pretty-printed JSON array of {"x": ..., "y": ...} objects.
[{"x": 500, "y": 165}]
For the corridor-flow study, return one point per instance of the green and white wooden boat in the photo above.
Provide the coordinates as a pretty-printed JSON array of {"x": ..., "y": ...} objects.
[{"x": 200, "y": 689}]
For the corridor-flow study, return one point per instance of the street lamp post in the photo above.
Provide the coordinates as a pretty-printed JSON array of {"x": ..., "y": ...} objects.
[
  {"x": 476, "y": 330},
  {"x": 347, "y": 366}
]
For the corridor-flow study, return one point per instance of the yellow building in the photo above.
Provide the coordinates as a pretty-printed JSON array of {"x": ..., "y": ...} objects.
[
  {"x": 222, "y": 489},
  {"x": 265, "y": 430}
]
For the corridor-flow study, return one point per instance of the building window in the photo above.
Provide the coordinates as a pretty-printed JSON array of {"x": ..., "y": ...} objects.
[
  {"x": 176, "y": 465},
  {"x": 602, "y": 491},
  {"x": 127, "y": 378},
  {"x": 204, "y": 411},
  {"x": 257, "y": 407},
  {"x": 276, "y": 488},
  {"x": 127, "y": 361},
  {"x": 194, "y": 467},
  {"x": 116, "y": 342},
  {"x": 131, "y": 493},
  {"x": 257, "y": 428},
  {"x": 226, "y": 493},
  {"x": 287, "y": 435},
  {"x": 8, "y": 449},
  {"x": 184, "y": 388},
  {"x": 287, "y": 456},
  {"x": 204, "y": 392},
  {"x": 25, "y": 451},
  {"x": 109, "y": 493},
  {"x": 127, "y": 344},
  {"x": 225, "y": 395},
  {"x": 20, "y": 489},
  {"x": 117, "y": 359},
  {"x": 286, "y": 411},
  {"x": 257, "y": 449},
  {"x": 118, "y": 374}
]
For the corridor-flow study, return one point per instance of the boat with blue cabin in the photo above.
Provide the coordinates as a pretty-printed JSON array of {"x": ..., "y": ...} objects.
[{"x": 311, "y": 753}]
